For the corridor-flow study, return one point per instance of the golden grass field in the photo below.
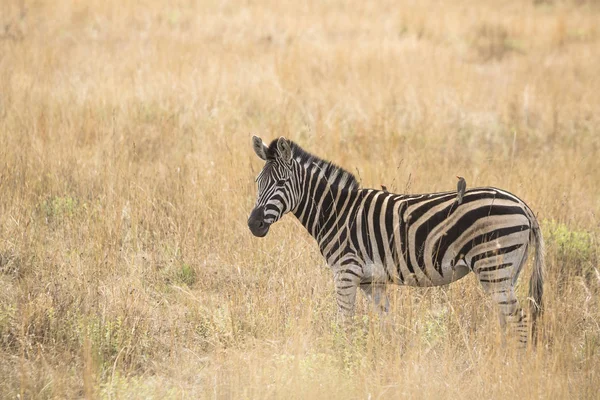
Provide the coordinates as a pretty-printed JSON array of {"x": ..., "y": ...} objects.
[{"x": 127, "y": 174}]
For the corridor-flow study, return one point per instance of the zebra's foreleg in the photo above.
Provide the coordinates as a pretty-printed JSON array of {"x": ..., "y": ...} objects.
[
  {"x": 347, "y": 280},
  {"x": 377, "y": 295}
]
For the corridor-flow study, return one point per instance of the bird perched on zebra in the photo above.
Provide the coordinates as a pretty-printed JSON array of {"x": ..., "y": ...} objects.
[
  {"x": 461, "y": 186},
  {"x": 371, "y": 238}
]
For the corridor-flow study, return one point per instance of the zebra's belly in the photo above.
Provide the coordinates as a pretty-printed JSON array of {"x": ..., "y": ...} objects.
[
  {"x": 378, "y": 272},
  {"x": 421, "y": 278}
]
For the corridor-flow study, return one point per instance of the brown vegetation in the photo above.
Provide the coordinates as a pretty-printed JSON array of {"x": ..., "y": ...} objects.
[{"x": 127, "y": 174}]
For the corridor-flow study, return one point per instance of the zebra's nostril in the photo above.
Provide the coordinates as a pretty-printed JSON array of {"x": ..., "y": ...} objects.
[{"x": 256, "y": 222}]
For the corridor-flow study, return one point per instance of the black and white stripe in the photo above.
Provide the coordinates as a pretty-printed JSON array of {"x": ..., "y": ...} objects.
[{"x": 371, "y": 238}]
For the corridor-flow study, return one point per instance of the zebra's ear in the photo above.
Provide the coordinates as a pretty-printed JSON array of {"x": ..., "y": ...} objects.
[
  {"x": 284, "y": 148},
  {"x": 259, "y": 147}
]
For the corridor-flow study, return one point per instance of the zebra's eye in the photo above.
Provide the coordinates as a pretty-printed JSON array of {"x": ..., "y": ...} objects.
[{"x": 280, "y": 182}]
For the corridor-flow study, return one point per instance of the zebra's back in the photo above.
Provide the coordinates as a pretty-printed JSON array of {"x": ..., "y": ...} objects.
[{"x": 431, "y": 239}]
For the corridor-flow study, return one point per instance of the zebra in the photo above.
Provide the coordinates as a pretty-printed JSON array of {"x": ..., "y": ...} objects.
[{"x": 371, "y": 238}]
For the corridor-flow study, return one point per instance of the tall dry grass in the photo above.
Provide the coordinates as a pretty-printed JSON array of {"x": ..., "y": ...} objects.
[{"x": 126, "y": 177}]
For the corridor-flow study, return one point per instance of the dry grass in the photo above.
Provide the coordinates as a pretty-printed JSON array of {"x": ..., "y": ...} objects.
[{"x": 126, "y": 177}]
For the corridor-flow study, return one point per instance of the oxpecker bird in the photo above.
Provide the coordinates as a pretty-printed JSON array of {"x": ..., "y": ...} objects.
[{"x": 461, "y": 186}]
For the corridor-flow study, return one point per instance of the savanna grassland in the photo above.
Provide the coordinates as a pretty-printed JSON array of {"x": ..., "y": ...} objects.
[{"x": 127, "y": 175}]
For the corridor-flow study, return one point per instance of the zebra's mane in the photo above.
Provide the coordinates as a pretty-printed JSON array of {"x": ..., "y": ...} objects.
[{"x": 336, "y": 175}]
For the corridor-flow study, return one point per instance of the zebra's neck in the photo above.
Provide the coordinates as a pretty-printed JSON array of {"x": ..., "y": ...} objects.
[{"x": 324, "y": 191}]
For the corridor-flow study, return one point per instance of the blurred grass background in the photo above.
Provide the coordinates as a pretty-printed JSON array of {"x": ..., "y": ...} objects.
[{"x": 126, "y": 177}]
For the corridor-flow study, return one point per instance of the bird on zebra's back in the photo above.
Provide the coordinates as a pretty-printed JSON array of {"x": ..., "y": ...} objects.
[
  {"x": 371, "y": 238},
  {"x": 461, "y": 187}
]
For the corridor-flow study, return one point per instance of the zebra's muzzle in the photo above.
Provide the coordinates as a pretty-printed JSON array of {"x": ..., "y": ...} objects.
[{"x": 256, "y": 222}]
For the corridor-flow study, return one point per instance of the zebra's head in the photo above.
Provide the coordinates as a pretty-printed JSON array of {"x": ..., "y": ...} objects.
[{"x": 276, "y": 194}]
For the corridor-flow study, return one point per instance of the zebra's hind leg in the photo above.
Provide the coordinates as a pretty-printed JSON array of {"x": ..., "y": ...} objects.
[
  {"x": 510, "y": 312},
  {"x": 377, "y": 295}
]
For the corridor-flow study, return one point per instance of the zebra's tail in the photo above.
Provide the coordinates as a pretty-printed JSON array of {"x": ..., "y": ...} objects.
[{"x": 536, "y": 283}]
